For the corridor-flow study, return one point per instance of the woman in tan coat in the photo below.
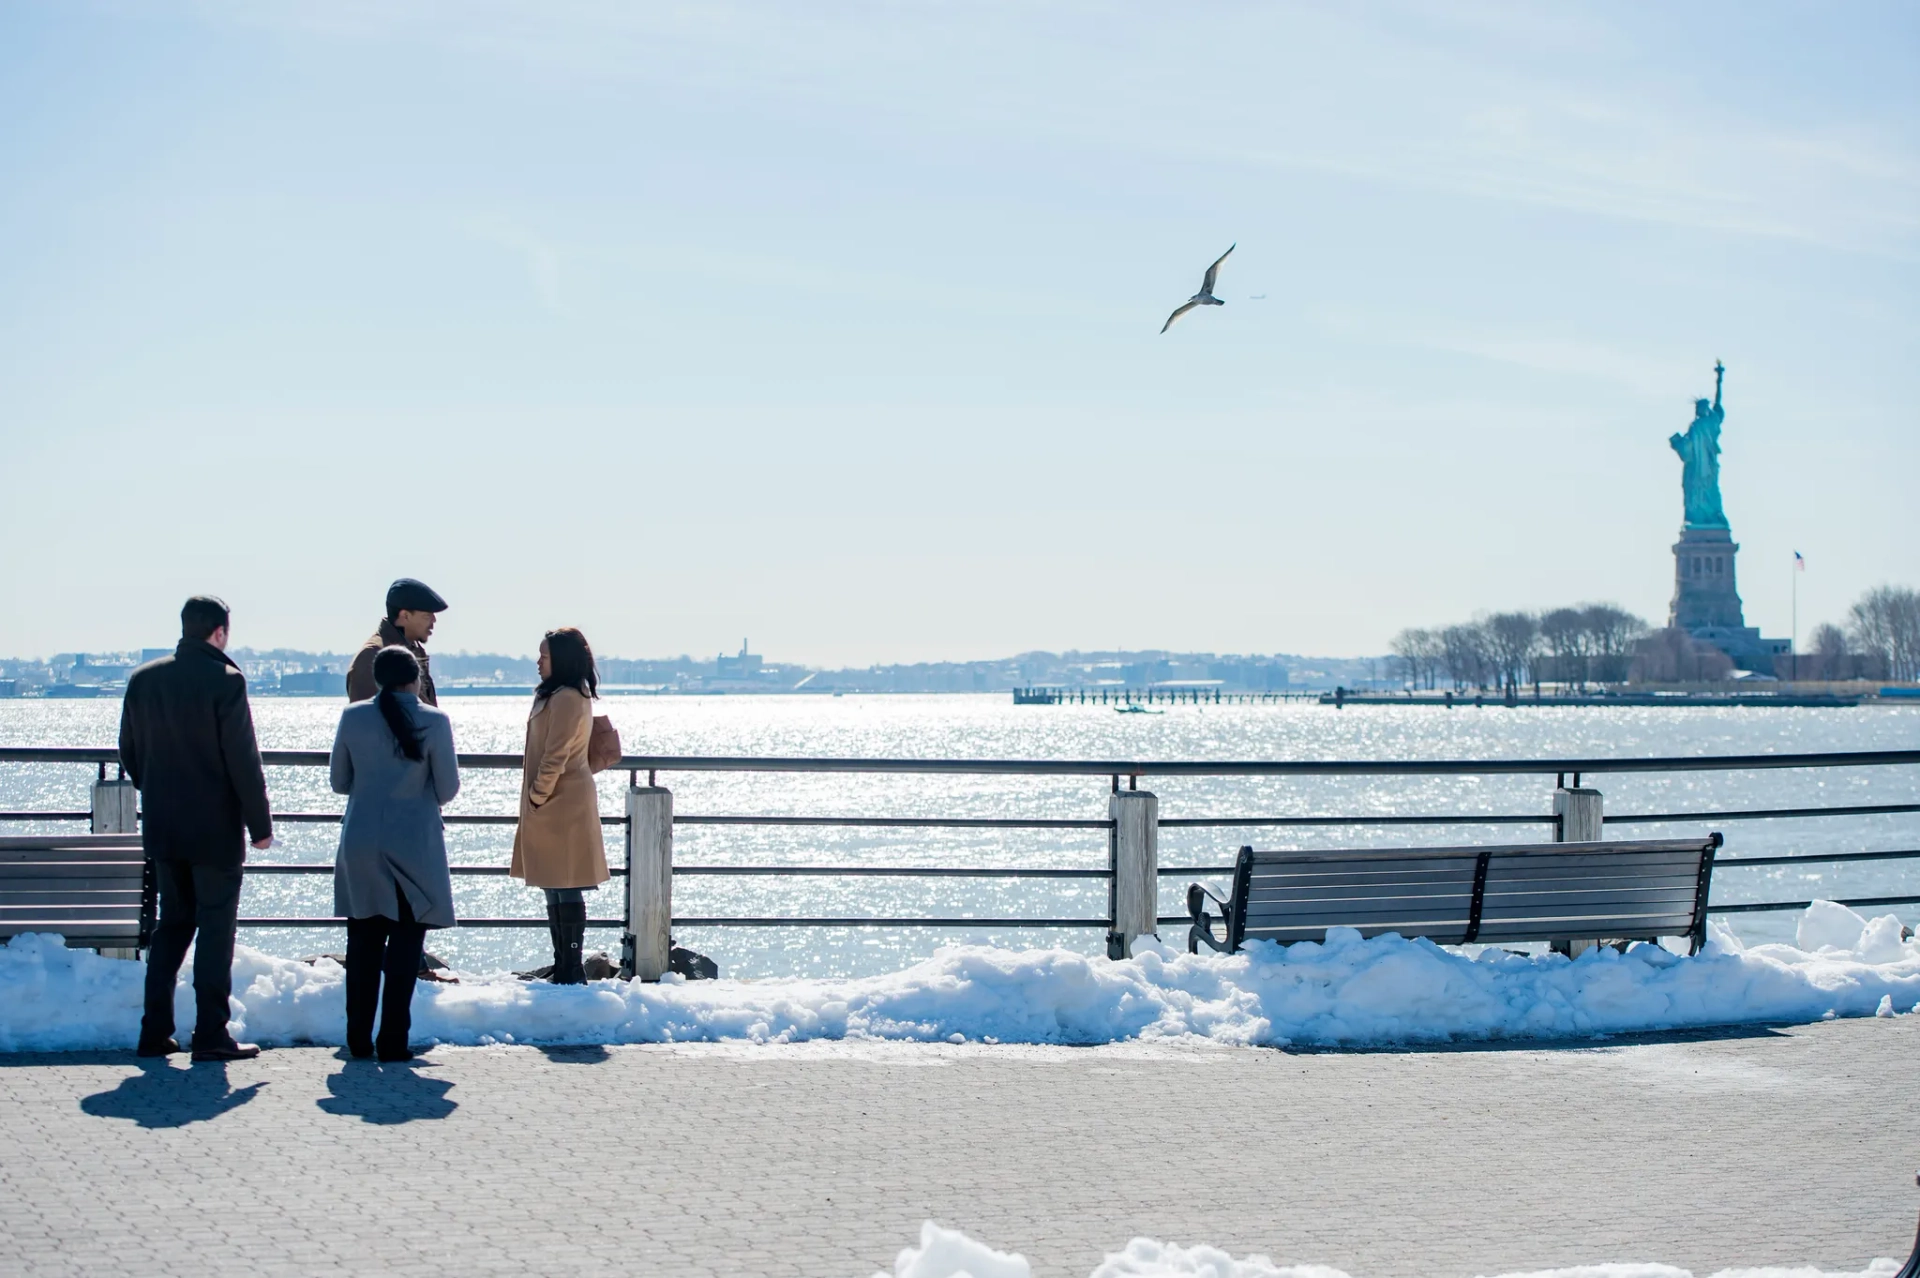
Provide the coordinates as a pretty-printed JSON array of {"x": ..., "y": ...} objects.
[{"x": 557, "y": 846}]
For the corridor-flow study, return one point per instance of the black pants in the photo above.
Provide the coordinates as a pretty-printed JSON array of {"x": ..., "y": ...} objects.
[
  {"x": 193, "y": 898},
  {"x": 375, "y": 945}
]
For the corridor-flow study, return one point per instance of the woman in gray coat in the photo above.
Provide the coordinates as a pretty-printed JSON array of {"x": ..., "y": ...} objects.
[{"x": 394, "y": 760}]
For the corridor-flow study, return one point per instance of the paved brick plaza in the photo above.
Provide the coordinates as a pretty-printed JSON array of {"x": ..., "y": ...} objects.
[{"x": 1773, "y": 1147}]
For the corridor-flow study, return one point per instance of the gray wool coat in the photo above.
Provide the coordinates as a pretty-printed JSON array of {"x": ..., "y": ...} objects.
[{"x": 392, "y": 840}]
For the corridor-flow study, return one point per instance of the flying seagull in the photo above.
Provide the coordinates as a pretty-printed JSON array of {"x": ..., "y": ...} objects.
[{"x": 1205, "y": 296}]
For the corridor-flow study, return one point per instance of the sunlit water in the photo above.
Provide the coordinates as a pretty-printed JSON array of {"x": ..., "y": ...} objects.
[{"x": 990, "y": 727}]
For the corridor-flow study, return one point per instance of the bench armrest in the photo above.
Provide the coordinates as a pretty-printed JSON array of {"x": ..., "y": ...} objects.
[{"x": 1202, "y": 929}]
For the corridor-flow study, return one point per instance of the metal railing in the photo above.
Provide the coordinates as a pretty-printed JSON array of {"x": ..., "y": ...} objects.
[{"x": 1132, "y": 770}]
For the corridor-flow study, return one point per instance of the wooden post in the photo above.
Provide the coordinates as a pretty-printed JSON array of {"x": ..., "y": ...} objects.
[
  {"x": 116, "y": 806},
  {"x": 649, "y": 882},
  {"x": 116, "y": 810},
  {"x": 1580, "y": 816},
  {"x": 1136, "y": 869}
]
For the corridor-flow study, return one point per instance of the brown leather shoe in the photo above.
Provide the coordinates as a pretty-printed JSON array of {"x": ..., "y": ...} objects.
[{"x": 157, "y": 1047}]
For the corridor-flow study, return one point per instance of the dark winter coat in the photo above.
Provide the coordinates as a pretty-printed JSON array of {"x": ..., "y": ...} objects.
[
  {"x": 360, "y": 681},
  {"x": 186, "y": 740}
]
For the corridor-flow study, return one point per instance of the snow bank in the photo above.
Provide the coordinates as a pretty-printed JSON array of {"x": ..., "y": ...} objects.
[
  {"x": 1345, "y": 991},
  {"x": 945, "y": 1253}
]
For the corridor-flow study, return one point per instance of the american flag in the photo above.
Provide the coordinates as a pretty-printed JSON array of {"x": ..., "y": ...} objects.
[{"x": 1799, "y": 563}]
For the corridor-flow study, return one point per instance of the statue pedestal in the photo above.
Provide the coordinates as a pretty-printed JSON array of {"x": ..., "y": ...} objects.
[
  {"x": 1706, "y": 601},
  {"x": 1704, "y": 593}
]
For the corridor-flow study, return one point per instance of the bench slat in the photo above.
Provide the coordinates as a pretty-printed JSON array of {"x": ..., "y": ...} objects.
[
  {"x": 1587, "y": 887},
  {"x": 1378, "y": 863},
  {"x": 1619, "y": 847},
  {"x": 11, "y": 861},
  {"x": 1451, "y": 871},
  {"x": 1547, "y": 867},
  {"x": 1352, "y": 918},
  {"x": 1550, "y": 927},
  {"x": 1628, "y": 929},
  {"x": 1461, "y": 872},
  {"x": 93, "y": 900},
  {"x": 1601, "y": 910},
  {"x": 113, "y": 896},
  {"x": 1290, "y": 890},
  {"x": 1460, "y": 902},
  {"x": 1576, "y": 879},
  {"x": 1593, "y": 910},
  {"x": 1583, "y": 918},
  {"x": 1440, "y": 933},
  {"x": 77, "y": 875}
]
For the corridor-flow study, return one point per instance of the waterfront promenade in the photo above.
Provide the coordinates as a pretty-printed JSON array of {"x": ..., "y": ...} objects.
[{"x": 1791, "y": 1146}]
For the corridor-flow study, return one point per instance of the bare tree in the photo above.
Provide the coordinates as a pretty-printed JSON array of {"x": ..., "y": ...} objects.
[
  {"x": 1512, "y": 638},
  {"x": 1409, "y": 648},
  {"x": 1586, "y": 642},
  {"x": 1464, "y": 654},
  {"x": 1563, "y": 631},
  {"x": 1829, "y": 656},
  {"x": 1612, "y": 632},
  {"x": 1886, "y": 622},
  {"x": 1428, "y": 654}
]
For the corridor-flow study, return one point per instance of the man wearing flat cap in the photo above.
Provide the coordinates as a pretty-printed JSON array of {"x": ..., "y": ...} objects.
[{"x": 411, "y": 609}]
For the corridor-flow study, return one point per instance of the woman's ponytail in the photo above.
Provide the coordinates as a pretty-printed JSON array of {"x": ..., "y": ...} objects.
[{"x": 395, "y": 667}]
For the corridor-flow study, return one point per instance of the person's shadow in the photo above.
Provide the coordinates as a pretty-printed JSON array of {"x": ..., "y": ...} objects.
[
  {"x": 387, "y": 1094},
  {"x": 162, "y": 1096}
]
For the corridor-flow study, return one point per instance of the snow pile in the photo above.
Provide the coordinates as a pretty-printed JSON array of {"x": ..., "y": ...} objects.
[
  {"x": 946, "y": 1253},
  {"x": 1345, "y": 991}
]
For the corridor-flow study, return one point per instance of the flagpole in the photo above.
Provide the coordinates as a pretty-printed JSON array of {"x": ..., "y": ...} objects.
[{"x": 1794, "y": 647}]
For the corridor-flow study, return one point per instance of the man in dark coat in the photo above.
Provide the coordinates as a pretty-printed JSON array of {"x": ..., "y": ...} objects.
[
  {"x": 412, "y": 608},
  {"x": 186, "y": 740}
]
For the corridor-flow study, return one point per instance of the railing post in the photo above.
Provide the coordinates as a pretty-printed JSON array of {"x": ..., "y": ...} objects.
[
  {"x": 649, "y": 882},
  {"x": 116, "y": 806},
  {"x": 1136, "y": 868},
  {"x": 1579, "y": 811},
  {"x": 116, "y": 810}
]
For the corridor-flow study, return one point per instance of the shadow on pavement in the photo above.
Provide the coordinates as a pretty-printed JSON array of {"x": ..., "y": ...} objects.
[
  {"x": 161, "y": 1095},
  {"x": 387, "y": 1094},
  {"x": 591, "y": 1055},
  {"x": 1711, "y": 1034}
]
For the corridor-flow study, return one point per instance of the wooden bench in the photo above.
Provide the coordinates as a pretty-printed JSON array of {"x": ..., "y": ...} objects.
[
  {"x": 1636, "y": 890},
  {"x": 93, "y": 889}
]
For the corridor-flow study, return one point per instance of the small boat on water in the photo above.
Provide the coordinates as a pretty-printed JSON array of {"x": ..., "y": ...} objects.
[{"x": 1135, "y": 709}]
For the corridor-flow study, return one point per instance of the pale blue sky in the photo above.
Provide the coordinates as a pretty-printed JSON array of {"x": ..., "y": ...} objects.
[{"x": 836, "y": 325}]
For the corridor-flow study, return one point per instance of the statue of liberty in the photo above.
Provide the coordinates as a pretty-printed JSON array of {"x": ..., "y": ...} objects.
[{"x": 1699, "y": 451}]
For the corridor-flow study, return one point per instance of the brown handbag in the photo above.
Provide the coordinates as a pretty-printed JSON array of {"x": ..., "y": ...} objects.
[{"x": 603, "y": 744}]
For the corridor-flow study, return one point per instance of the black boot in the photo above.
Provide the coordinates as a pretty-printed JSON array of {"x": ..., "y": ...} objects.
[
  {"x": 555, "y": 933},
  {"x": 366, "y": 948},
  {"x": 570, "y": 938},
  {"x": 402, "y": 969}
]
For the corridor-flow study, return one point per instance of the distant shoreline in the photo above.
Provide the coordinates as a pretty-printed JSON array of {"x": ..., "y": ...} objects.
[{"x": 1786, "y": 698}]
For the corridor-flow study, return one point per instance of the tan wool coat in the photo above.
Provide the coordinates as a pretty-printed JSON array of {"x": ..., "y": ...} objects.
[{"x": 558, "y": 844}]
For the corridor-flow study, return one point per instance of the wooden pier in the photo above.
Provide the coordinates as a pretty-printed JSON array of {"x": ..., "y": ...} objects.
[{"x": 1123, "y": 697}]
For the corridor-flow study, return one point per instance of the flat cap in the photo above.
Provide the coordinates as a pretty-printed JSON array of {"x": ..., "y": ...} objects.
[{"x": 413, "y": 596}]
